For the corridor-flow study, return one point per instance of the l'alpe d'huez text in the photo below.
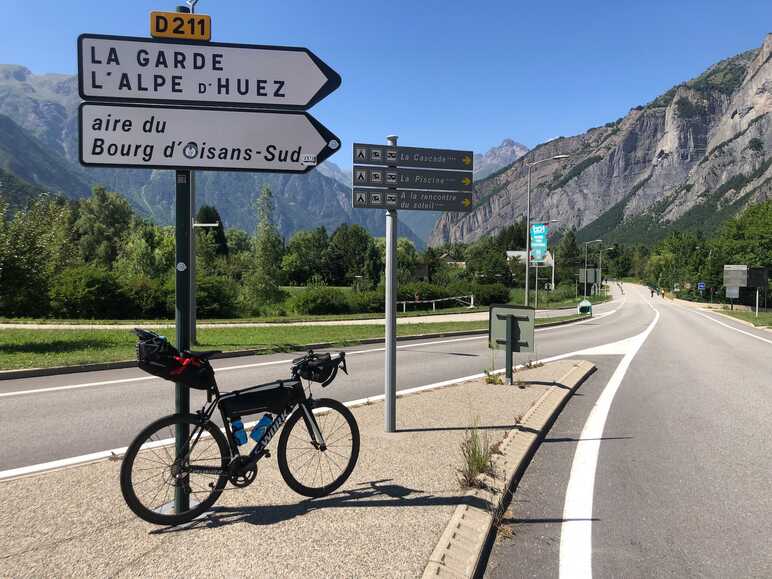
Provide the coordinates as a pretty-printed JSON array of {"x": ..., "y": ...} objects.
[
  {"x": 188, "y": 149},
  {"x": 175, "y": 60}
]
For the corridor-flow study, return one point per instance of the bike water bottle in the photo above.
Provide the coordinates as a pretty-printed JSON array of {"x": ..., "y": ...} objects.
[
  {"x": 262, "y": 425},
  {"x": 239, "y": 434}
]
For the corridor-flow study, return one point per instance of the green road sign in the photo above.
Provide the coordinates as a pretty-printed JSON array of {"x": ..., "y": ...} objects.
[{"x": 539, "y": 233}]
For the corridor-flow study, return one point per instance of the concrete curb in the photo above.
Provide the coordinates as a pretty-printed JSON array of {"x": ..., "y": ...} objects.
[
  {"x": 58, "y": 370},
  {"x": 461, "y": 548}
]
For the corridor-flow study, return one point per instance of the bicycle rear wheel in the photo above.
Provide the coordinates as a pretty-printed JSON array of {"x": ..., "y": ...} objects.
[
  {"x": 309, "y": 469},
  {"x": 150, "y": 473}
]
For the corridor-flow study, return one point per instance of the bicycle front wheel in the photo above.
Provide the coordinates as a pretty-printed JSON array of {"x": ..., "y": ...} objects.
[
  {"x": 151, "y": 474},
  {"x": 315, "y": 470}
]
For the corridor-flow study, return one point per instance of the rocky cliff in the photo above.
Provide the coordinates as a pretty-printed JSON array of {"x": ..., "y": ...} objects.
[{"x": 691, "y": 158}]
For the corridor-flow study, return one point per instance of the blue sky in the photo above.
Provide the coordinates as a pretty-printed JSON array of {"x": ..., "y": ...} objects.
[{"x": 456, "y": 74}]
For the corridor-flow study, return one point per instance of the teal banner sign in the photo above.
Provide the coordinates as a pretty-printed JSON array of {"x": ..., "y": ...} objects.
[{"x": 539, "y": 233}]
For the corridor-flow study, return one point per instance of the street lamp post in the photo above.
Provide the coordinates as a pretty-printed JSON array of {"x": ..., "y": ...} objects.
[
  {"x": 528, "y": 219},
  {"x": 600, "y": 266},
  {"x": 586, "y": 243}
]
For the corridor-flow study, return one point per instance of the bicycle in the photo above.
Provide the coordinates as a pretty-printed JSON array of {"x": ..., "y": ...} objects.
[{"x": 320, "y": 436}]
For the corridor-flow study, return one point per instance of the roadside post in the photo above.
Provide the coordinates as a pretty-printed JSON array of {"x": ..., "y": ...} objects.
[
  {"x": 180, "y": 102},
  {"x": 184, "y": 295},
  {"x": 511, "y": 328},
  {"x": 390, "y": 377},
  {"x": 395, "y": 178}
]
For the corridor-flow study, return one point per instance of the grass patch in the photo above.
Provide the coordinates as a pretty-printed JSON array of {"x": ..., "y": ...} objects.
[
  {"x": 764, "y": 319},
  {"x": 45, "y": 348},
  {"x": 476, "y": 454}
]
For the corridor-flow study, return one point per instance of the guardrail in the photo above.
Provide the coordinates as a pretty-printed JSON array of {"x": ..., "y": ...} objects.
[{"x": 465, "y": 300}]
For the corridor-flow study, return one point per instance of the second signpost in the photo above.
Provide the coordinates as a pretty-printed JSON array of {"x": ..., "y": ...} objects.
[{"x": 412, "y": 178}]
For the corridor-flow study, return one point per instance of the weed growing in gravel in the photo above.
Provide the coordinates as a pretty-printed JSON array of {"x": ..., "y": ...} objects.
[
  {"x": 477, "y": 454},
  {"x": 491, "y": 378}
]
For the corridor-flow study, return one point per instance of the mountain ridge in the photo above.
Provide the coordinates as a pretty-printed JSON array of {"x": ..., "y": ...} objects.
[{"x": 700, "y": 148}]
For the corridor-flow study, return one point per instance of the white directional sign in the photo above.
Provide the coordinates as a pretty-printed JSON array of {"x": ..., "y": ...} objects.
[
  {"x": 200, "y": 138},
  {"x": 123, "y": 68}
]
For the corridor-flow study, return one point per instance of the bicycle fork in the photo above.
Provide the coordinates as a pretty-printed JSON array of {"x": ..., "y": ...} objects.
[{"x": 312, "y": 426}]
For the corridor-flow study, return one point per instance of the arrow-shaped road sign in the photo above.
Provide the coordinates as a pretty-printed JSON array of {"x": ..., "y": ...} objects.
[
  {"x": 202, "y": 138},
  {"x": 123, "y": 68},
  {"x": 412, "y": 179},
  {"x": 412, "y": 200},
  {"x": 413, "y": 157}
]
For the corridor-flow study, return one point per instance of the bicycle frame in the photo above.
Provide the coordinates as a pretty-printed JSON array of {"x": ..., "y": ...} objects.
[{"x": 302, "y": 402}]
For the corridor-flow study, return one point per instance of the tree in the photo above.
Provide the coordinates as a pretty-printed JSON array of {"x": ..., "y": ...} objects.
[
  {"x": 262, "y": 282},
  {"x": 34, "y": 246},
  {"x": 512, "y": 237},
  {"x": 103, "y": 221},
  {"x": 486, "y": 262},
  {"x": 568, "y": 258},
  {"x": 209, "y": 214},
  {"x": 304, "y": 257},
  {"x": 373, "y": 266},
  {"x": 345, "y": 257}
]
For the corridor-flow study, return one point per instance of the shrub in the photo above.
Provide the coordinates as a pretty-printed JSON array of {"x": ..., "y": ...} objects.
[
  {"x": 756, "y": 145},
  {"x": 216, "y": 297},
  {"x": 319, "y": 300},
  {"x": 86, "y": 291},
  {"x": 490, "y": 293},
  {"x": 367, "y": 301},
  {"x": 147, "y": 297}
]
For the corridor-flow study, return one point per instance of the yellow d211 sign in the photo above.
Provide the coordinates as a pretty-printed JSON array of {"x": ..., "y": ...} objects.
[{"x": 180, "y": 25}]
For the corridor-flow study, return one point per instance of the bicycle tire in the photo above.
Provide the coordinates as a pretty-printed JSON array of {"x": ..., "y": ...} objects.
[
  {"x": 332, "y": 454},
  {"x": 161, "y": 454}
]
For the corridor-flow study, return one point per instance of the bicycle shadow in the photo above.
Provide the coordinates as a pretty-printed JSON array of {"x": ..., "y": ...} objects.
[{"x": 376, "y": 495}]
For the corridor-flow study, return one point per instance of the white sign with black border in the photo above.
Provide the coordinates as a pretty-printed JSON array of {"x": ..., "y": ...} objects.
[{"x": 200, "y": 138}]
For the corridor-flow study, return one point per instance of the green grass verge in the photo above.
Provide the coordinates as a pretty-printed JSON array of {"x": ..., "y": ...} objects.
[
  {"x": 46, "y": 348},
  {"x": 262, "y": 320},
  {"x": 764, "y": 319}
]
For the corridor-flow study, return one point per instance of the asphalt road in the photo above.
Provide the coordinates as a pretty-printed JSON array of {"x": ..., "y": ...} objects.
[
  {"x": 98, "y": 411},
  {"x": 684, "y": 460}
]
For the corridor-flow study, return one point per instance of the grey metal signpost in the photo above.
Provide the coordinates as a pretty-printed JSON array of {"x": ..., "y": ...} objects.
[
  {"x": 390, "y": 386},
  {"x": 391, "y": 177}
]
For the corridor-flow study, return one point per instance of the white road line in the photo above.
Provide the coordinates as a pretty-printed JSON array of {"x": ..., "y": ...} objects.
[
  {"x": 273, "y": 362},
  {"x": 720, "y": 323},
  {"x": 576, "y": 529}
]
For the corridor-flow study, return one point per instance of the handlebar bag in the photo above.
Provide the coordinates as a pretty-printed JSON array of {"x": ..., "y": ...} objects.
[{"x": 267, "y": 398}]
